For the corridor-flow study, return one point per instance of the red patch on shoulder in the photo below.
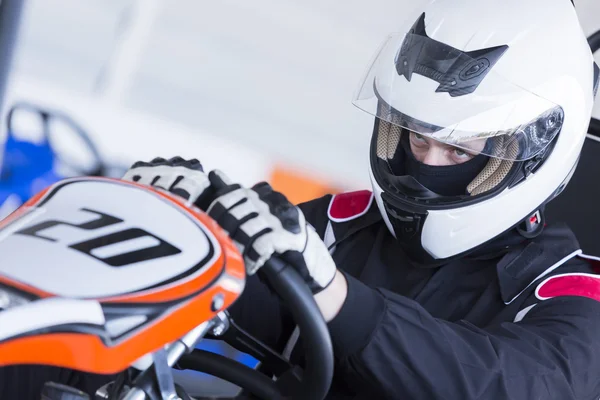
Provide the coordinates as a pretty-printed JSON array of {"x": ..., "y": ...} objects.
[
  {"x": 574, "y": 284},
  {"x": 348, "y": 206}
]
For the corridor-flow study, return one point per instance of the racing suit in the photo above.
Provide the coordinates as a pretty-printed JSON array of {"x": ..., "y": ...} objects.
[{"x": 517, "y": 319}]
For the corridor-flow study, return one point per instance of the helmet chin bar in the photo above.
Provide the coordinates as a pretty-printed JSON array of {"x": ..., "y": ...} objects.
[
  {"x": 407, "y": 222},
  {"x": 405, "y": 201}
]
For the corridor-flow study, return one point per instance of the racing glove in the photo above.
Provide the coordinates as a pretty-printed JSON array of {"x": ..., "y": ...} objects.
[
  {"x": 263, "y": 223},
  {"x": 185, "y": 178}
]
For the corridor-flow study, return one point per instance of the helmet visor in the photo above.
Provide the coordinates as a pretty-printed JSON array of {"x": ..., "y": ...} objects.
[{"x": 455, "y": 97}]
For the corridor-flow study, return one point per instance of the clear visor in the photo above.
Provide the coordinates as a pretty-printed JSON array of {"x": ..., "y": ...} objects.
[{"x": 456, "y": 97}]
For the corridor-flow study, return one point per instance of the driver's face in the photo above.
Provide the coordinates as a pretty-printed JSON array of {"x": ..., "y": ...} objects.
[{"x": 431, "y": 152}]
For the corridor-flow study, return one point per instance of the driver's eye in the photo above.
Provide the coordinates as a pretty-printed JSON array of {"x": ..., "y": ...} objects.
[
  {"x": 418, "y": 139},
  {"x": 461, "y": 155}
]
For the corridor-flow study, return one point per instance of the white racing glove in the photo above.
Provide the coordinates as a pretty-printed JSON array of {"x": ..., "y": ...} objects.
[
  {"x": 263, "y": 223},
  {"x": 185, "y": 178}
]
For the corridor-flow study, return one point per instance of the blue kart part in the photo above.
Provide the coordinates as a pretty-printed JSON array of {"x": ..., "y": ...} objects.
[
  {"x": 26, "y": 169},
  {"x": 219, "y": 347}
]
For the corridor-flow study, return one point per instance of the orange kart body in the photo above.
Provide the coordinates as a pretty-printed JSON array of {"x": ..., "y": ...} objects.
[{"x": 96, "y": 273}]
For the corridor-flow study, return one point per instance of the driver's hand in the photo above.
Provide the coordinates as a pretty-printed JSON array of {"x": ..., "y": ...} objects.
[
  {"x": 262, "y": 222},
  {"x": 185, "y": 178}
]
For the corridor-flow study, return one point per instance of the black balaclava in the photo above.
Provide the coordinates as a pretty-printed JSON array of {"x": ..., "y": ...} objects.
[{"x": 447, "y": 180}]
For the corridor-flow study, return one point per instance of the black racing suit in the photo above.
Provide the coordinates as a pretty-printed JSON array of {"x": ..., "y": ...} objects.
[{"x": 409, "y": 332}]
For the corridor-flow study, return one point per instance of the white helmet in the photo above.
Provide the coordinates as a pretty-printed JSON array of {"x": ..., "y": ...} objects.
[{"x": 518, "y": 74}]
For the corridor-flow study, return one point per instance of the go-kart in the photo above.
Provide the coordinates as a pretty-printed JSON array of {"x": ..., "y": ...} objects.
[{"x": 111, "y": 277}]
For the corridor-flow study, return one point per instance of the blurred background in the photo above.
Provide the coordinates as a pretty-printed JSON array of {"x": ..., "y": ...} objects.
[{"x": 261, "y": 89}]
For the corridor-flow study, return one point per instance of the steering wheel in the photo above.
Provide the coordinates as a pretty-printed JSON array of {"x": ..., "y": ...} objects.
[
  {"x": 69, "y": 132},
  {"x": 318, "y": 372}
]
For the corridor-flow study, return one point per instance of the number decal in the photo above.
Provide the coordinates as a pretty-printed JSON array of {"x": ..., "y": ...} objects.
[
  {"x": 101, "y": 222},
  {"x": 162, "y": 249},
  {"x": 159, "y": 248}
]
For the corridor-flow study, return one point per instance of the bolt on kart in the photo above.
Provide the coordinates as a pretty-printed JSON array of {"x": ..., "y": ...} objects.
[{"x": 111, "y": 277}]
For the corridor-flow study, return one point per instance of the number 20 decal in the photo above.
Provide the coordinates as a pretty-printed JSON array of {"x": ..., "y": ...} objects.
[{"x": 158, "y": 250}]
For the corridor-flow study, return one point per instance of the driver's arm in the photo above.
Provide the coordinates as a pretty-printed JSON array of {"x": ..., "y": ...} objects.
[{"x": 388, "y": 343}]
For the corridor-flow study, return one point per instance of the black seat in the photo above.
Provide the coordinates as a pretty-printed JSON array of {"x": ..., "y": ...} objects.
[{"x": 579, "y": 204}]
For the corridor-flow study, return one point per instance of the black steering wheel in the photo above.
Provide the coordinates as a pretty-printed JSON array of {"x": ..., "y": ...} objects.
[
  {"x": 318, "y": 373},
  {"x": 312, "y": 383}
]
